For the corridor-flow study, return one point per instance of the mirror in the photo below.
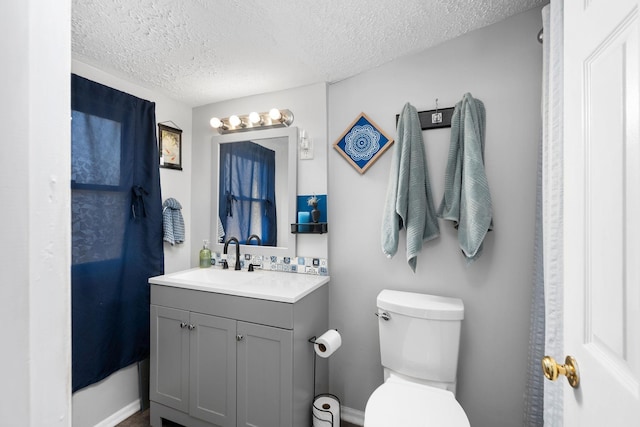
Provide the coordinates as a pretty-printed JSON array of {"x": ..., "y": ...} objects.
[{"x": 283, "y": 142}]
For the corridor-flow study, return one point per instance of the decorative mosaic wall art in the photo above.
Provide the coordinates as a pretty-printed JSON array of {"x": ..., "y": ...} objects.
[{"x": 362, "y": 143}]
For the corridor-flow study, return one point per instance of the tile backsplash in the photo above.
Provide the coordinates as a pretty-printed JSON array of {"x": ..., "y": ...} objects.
[{"x": 303, "y": 265}]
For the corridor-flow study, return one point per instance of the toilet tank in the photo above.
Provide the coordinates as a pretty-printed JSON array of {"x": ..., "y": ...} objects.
[{"x": 421, "y": 338}]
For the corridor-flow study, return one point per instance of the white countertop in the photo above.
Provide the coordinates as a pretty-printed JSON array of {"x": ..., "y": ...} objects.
[{"x": 261, "y": 284}]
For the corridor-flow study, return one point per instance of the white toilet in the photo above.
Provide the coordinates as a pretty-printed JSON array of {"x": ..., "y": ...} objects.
[{"x": 419, "y": 342}]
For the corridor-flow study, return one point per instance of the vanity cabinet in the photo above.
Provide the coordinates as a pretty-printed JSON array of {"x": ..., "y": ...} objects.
[
  {"x": 195, "y": 364},
  {"x": 224, "y": 360}
]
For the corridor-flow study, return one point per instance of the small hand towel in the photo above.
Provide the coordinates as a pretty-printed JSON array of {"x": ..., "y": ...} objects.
[
  {"x": 466, "y": 200},
  {"x": 409, "y": 203},
  {"x": 172, "y": 222}
]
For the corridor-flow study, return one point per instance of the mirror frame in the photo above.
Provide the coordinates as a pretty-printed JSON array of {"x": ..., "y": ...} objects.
[{"x": 291, "y": 133}]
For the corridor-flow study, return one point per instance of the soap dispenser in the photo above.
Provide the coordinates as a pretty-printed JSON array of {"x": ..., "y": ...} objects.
[{"x": 205, "y": 255}]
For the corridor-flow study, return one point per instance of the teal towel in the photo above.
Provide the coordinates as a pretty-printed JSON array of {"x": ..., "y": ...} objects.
[
  {"x": 408, "y": 202},
  {"x": 466, "y": 200}
]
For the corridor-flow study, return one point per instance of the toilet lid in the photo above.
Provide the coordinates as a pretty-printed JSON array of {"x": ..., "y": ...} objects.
[{"x": 413, "y": 405}]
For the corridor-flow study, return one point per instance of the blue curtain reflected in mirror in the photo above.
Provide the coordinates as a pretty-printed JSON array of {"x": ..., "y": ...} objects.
[{"x": 247, "y": 198}]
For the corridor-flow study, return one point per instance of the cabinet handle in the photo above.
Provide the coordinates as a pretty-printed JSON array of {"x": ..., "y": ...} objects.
[
  {"x": 183, "y": 325},
  {"x": 239, "y": 337},
  {"x": 192, "y": 327}
]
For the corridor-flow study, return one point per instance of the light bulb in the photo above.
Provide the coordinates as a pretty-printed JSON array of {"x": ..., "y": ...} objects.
[
  {"x": 234, "y": 121},
  {"x": 215, "y": 122},
  {"x": 254, "y": 118},
  {"x": 275, "y": 114}
]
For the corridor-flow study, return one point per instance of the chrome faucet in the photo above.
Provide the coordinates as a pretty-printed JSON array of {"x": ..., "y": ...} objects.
[
  {"x": 226, "y": 247},
  {"x": 254, "y": 236}
]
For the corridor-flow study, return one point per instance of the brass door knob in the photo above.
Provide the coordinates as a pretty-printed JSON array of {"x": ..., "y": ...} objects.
[{"x": 552, "y": 370}]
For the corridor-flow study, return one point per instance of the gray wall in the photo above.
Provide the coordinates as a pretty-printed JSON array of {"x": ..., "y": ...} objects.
[{"x": 500, "y": 65}]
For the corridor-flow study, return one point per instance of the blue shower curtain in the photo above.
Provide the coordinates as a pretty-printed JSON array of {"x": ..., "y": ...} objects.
[
  {"x": 246, "y": 195},
  {"x": 116, "y": 228}
]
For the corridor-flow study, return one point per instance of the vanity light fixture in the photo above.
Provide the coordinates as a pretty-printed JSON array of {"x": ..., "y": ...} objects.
[
  {"x": 255, "y": 118},
  {"x": 254, "y": 121},
  {"x": 275, "y": 114},
  {"x": 216, "y": 123},
  {"x": 235, "y": 121}
]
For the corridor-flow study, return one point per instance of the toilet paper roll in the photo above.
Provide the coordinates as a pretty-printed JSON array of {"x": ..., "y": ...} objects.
[
  {"x": 328, "y": 343},
  {"x": 326, "y": 411}
]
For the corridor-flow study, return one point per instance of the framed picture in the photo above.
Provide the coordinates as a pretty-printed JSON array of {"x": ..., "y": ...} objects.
[
  {"x": 362, "y": 143},
  {"x": 170, "y": 147}
]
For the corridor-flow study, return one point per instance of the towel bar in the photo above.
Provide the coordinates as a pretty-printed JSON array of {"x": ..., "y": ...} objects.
[{"x": 427, "y": 120}]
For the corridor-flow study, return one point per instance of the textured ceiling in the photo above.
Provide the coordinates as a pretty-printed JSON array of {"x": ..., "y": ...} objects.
[{"x": 204, "y": 51}]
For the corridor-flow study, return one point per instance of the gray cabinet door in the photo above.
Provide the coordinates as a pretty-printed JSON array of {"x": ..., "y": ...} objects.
[
  {"x": 213, "y": 369},
  {"x": 265, "y": 376},
  {"x": 169, "y": 380}
]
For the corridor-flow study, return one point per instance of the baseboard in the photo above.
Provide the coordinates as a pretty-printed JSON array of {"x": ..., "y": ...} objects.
[
  {"x": 121, "y": 415},
  {"x": 352, "y": 416},
  {"x": 347, "y": 414}
]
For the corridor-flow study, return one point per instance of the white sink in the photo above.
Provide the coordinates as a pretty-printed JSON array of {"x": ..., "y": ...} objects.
[
  {"x": 217, "y": 276},
  {"x": 262, "y": 284}
]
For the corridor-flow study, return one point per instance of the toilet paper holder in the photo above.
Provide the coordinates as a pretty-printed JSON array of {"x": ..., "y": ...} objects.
[
  {"x": 313, "y": 339},
  {"x": 327, "y": 343},
  {"x": 325, "y": 413}
]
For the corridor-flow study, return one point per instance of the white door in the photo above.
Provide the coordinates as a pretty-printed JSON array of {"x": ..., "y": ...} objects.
[{"x": 602, "y": 211}]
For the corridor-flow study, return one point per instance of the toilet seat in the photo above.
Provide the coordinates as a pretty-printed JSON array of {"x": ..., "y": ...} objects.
[{"x": 413, "y": 405}]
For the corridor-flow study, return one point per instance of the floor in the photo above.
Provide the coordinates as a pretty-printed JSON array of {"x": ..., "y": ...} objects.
[{"x": 141, "y": 419}]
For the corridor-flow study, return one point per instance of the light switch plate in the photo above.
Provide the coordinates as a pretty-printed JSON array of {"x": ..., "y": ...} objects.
[{"x": 306, "y": 153}]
